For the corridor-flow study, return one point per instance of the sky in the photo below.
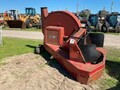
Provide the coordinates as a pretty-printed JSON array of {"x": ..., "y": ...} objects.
[{"x": 53, "y": 5}]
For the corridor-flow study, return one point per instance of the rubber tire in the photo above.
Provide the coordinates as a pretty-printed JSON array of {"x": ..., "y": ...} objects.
[
  {"x": 90, "y": 53},
  {"x": 117, "y": 29},
  {"x": 98, "y": 28},
  {"x": 104, "y": 29},
  {"x": 28, "y": 23},
  {"x": 97, "y": 39},
  {"x": 87, "y": 26}
]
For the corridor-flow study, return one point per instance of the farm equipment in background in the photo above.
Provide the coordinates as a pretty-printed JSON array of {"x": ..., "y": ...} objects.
[
  {"x": 30, "y": 19},
  {"x": 111, "y": 23},
  {"x": 80, "y": 52},
  {"x": 2, "y": 20},
  {"x": 83, "y": 16},
  {"x": 7, "y": 16},
  {"x": 102, "y": 15},
  {"x": 14, "y": 21},
  {"x": 93, "y": 23},
  {"x": 83, "y": 21}
]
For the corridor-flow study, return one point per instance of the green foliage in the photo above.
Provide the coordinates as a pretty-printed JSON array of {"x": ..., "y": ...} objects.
[{"x": 27, "y": 29}]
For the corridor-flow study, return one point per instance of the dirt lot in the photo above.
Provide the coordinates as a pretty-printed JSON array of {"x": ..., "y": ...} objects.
[{"x": 32, "y": 72}]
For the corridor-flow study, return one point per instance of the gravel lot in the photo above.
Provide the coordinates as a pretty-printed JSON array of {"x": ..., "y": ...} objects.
[
  {"x": 23, "y": 34},
  {"x": 110, "y": 40}
]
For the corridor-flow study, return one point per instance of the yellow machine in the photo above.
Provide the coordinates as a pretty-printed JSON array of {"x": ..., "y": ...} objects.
[
  {"x": 28, "y": 20},
  {"x": 1, "y": 20},
  {"x": 7, "y": 16}
]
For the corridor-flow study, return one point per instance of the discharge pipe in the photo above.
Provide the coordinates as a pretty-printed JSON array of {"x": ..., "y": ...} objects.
[{"x": 44, "y": 14}]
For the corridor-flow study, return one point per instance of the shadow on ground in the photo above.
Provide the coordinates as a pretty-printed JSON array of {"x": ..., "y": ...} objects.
[
  {"x": 53, "y": 63},
  {"x": 114, "y": 71},
  {"x": 30, "y": 46}
]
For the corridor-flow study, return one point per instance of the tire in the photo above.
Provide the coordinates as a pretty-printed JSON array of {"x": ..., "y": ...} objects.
[
  {"x": 117, "y": 29},
  {"x": 96, "y": 28},
  {"x": 88, "y": 24},
  {"x": 97, "y": 39},
  {"x": 29, "y": 23},
  {"x": 99, "y": 27},
  {"x": 104, "y": 29},
  {"x": 90, "y": 53},
  {"x": 86, "y": 27}
]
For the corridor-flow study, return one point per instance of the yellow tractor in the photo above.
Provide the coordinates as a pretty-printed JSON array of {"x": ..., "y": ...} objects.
[
  {"x": 1, "y": 20},
  {"x": 7, "y": 16},
  {"x": 27, "y": 20}
]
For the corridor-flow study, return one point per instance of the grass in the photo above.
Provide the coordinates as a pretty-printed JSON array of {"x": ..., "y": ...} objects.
[
  {"x": 111, "y": 80},
  {"x": 27, "y": 29},
  {"x": 15, "y": 46},
  {"x": 113, "y": 33}
]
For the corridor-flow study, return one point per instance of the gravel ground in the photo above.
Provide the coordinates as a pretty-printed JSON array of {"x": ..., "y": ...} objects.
[
  {"x": 22, "y": 34},
  {"x": 110, "y": 40}
]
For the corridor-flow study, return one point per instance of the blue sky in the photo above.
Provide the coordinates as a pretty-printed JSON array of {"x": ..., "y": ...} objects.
[{"x": 93, "y": 5}]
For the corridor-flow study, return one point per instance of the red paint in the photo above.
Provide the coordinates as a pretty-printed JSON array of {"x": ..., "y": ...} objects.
[
  {"x": 54, "y": 35},
  {"x": 1, "y": 21},
  {"x": 60, "y": 25}
]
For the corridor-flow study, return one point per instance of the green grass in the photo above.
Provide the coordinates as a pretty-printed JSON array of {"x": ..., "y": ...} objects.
[
  {"x": 27, "y": 29},
  {"x": 15, "y": 46},
  {"x": 112, "y": 33},
  {"x": 112, "y": 71}
]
